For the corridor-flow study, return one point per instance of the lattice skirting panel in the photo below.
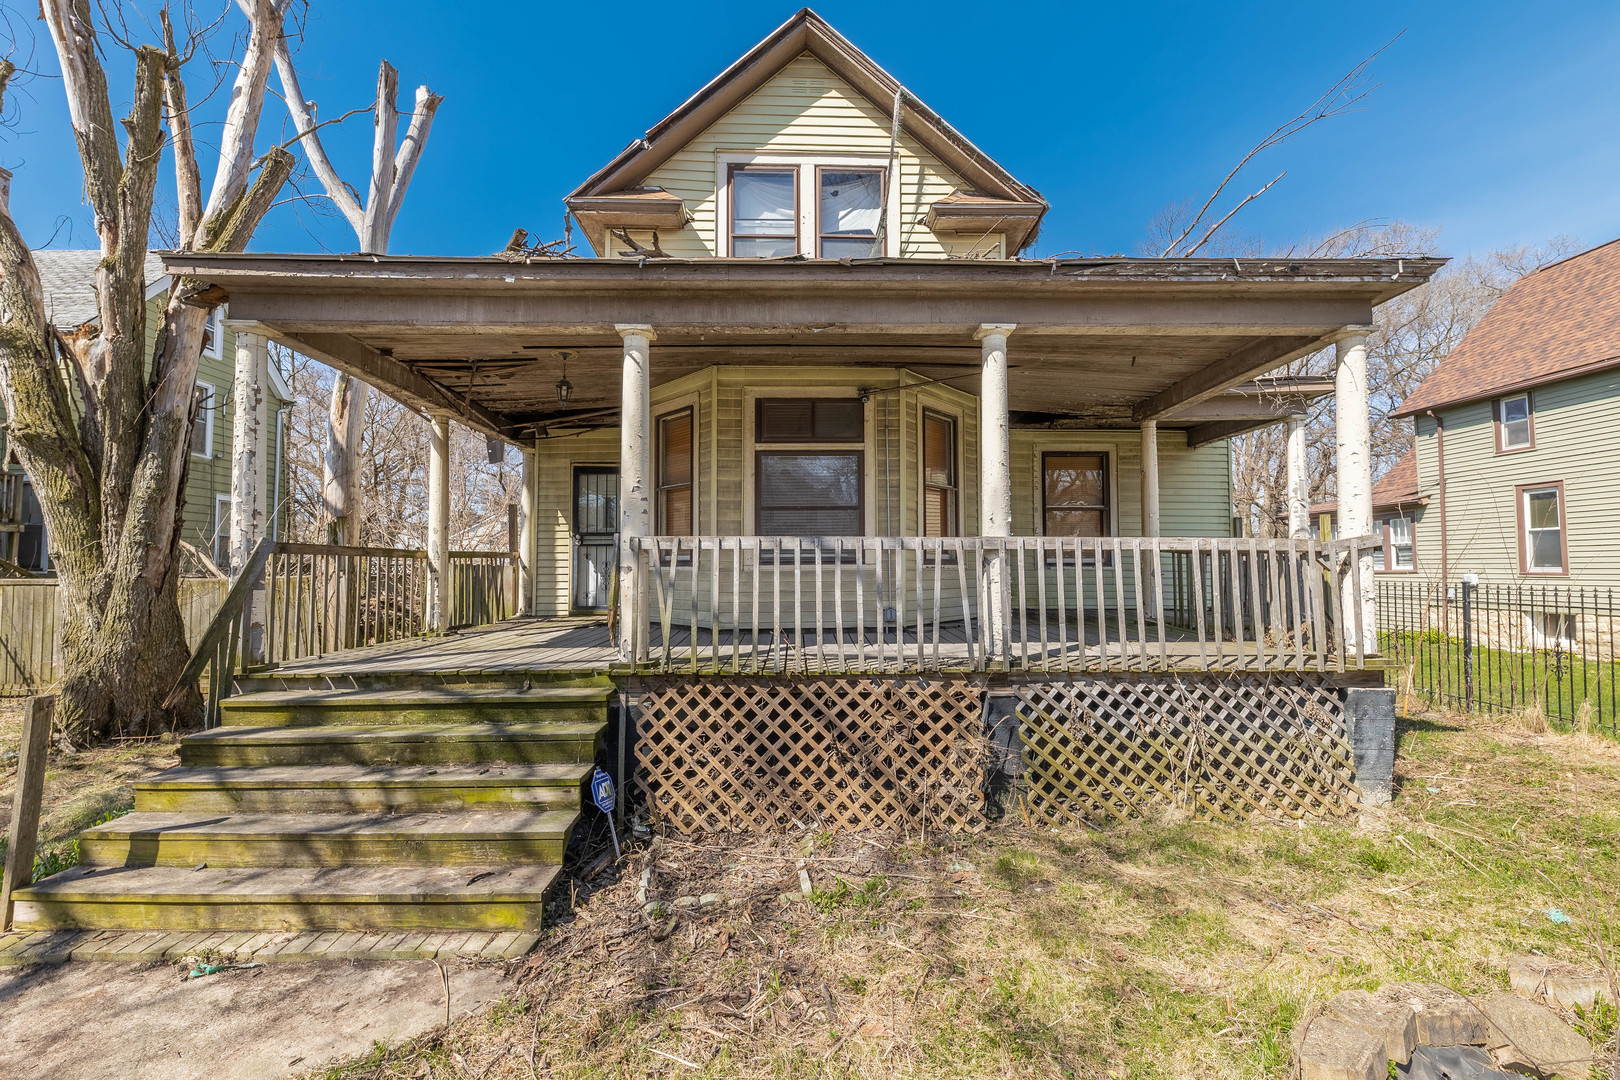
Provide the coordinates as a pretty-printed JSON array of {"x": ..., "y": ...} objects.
[
  {"x": 733, "y": 754},
  {"x": 1226, "y": 747}
]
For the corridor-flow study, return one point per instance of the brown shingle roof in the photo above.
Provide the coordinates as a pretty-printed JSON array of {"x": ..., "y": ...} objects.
[
  {"x": 1560, "y": 321},
  {"x": 1397, "y": 488}
]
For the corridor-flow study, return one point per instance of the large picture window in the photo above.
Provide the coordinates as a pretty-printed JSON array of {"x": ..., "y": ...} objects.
[
  {"x": 1543, "y": 545},
  {"x": 675, "y": 508},
  {"x": 806, "y": 483},
  {"x": 849, "y": 202},
  {"x": 764, "y": 211},
  {"x": 1074, "y": 495},
  {"x": 940, "y": 485}
]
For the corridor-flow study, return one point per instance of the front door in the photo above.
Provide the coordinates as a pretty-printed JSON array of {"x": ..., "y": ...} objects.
[{"x": 596, "y": 535}]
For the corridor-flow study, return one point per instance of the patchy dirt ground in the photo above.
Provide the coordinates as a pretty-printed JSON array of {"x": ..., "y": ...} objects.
[
  {"x": 1151, "y": 949},
  {"x": 105, "y": 1021}
]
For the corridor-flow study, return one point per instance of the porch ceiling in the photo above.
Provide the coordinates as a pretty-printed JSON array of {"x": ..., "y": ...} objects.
[{"x": 1106, "y": 340}]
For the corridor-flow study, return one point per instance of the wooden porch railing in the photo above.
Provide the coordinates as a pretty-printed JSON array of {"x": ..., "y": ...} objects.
[{"x": 860, "y": 604}]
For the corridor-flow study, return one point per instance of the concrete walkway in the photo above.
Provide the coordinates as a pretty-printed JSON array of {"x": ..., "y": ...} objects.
[{"x": 103, "y": 1021}]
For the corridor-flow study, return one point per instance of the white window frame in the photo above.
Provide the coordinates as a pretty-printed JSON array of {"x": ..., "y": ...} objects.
[
  {"x": 1503, "y": 446},
  {"x": 1527, "y": 545},
  {"x": 216, "y": 324},
  {"x": 222, "y": 529},
  {"x": 210, "y": 404},
  {"x": 809, "y": 196}
]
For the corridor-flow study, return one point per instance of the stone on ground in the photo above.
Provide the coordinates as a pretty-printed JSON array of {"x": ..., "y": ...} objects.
[
  {"x": 1444, "y": 1017},
  {"x": 1331, "y": 1049},
  {"x": 1541, "y": 978},
  {"x": 1451, "y": 1063},
  {"x": 1530, "y": 1038},
  {"x": 1392, "y": 1023}
]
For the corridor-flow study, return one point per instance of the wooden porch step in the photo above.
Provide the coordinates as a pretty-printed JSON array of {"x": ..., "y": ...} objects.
[
  {"x": 361, "y": 789},
  {"x": 394, "y": 744},
  {"x": 471, "y": 898},
  {"x": 349, "y": 840},
  {"x": 415, "y": 705}
]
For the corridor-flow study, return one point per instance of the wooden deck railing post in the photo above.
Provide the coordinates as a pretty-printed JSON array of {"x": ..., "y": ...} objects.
[{"x": 25, "y": 803}]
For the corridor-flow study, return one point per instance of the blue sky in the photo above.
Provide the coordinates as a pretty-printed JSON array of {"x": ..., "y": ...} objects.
[{"x": 1495, "y": 122}]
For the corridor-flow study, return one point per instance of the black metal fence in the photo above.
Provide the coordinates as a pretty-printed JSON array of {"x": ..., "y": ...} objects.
[{"x": 1498, "y": 648}]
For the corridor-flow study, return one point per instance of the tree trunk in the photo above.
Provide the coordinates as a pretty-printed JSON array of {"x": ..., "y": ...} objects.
[{"x": 345, "y": 428}]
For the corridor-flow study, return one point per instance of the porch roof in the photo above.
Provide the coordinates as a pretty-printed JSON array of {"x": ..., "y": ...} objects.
[{"x": 478, "y": 337}]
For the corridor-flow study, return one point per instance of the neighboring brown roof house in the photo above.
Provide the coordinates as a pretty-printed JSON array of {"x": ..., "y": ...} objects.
[
  {"x": 1397, "y": 488},
  {"x": 1560, "y": 321}
]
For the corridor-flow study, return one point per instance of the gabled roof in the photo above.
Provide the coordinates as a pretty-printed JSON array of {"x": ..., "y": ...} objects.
[
  {"x": 1559, "y": 321},
  {"x": 68, "y": 280},
  {"x": 806, "y": 32}
]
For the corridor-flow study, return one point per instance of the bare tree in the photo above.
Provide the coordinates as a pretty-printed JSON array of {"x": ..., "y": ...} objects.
[
  {"x": 391, "y": 171},
  {"x": 102, "y": 432}
]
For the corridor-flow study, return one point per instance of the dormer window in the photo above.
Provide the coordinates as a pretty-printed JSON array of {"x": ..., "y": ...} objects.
[{"x": 764, "y": 211}]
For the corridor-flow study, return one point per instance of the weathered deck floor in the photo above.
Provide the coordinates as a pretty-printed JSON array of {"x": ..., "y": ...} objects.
[{"x": 581, "y": 644}]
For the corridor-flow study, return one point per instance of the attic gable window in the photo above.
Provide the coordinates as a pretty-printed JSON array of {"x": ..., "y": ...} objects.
[
  {"x": 764, "y": 211},
  {"x": 848, "y": 206}
]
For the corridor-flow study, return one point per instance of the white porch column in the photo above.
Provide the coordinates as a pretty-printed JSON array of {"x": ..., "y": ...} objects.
[
  {"x": 1353, "y": 433},
  {"x": 635, "y": 482},
  {"x": 438, "y": 536},
  {"x": 527, "y": 501},
  {"x": 1299, "y": 484},
  {"x": 248, "y": 399},
  {"x": 248, "y": 430},
  {"x": 995, "y": 480}
]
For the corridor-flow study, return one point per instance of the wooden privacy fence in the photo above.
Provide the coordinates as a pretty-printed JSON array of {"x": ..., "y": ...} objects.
[
  {"x": 321, "y": 599},
  {"x": 30, "y": 627},
  {"x": 741, "y": 754},
  {"x": 1230, "y": 748},
  {"x": 747, "y": 604}
]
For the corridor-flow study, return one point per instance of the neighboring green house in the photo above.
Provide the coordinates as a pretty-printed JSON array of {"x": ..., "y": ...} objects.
[
  {"x": 1514, "y": 476},
  {"x": 68, "y": 281}
]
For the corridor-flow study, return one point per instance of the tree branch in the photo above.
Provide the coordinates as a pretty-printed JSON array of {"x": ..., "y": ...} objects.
[
  {"x": 187, "y": 176},
  {"x": 304, "y": 120},
  {"x": 410, "y": 151},
  {"x": 374, "y": 233},
  {"x": 89, "y": 110},
  {"x": 242, "y": 115},
  {"x": 1190, "y": 252}
]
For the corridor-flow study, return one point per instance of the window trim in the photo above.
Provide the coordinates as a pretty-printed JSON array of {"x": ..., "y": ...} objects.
[
  {"x": 1501, "y": 426},
  {"x": 1519, "y": 493},
  {"x": 883, "y": 190},
  {"x": 798, "y": 207},
  {"x": 216, "y": 323},
  {"x": 955, "y": 421},
  {"x": 222, "y": 530},
  {"x": 210, "y": 404}
]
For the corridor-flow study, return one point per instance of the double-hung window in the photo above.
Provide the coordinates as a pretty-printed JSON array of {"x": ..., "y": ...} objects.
[
  {"x": 940, "y": 485},
  {"x": 1515, "y": 424},
  {"x": 1074, "y": 495},
  {"x": 1543, "y": 546},
  {"x": 764, "y": 211},
  {"x": 675, "y": 509},
  {"x": 1397, "y": 551},
  {"x": 848, "y": 204},
  {"x": 202, "y": 427},
  {"x": 809, "y": 466}
]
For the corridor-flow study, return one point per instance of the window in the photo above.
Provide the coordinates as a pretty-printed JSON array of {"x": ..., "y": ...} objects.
[
  {"x": 939, "y": 476},
  {"x": 675, "y": 510},
  {"x": 1542, "y": 543},
  {"x": 214, "y": 333},
  {"x": 803, "y": 486},
  {"x": 202, "y": 427},
  {"x": 1397, "y": 551},
  {"x": 764, "y": 211},
  {"x": 849, "y": 202},
  {"x": 1515, "y": 428},
  {"x": 809, "y": 420},
  {"x": 1074, "y": 495},
  {"x": 222, "y": 532}
]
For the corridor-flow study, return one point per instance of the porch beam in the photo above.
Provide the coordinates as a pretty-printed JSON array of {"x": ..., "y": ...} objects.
[
  {"x": 1251, "y": 361},
  {"x": 1216, "y": 430},
  {"x": 438, "y": 534},
  {"x": 1299, "y": 482},
  {"x": 1352, "y": 421},
  {"x": 398, "y": 380},
  {"x": 635, "y": 484}
]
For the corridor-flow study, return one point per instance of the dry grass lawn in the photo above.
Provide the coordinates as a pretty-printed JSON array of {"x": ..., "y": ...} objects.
[{"x": 1153, "y": 949}]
